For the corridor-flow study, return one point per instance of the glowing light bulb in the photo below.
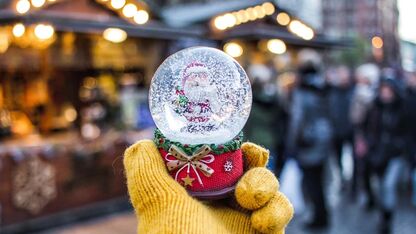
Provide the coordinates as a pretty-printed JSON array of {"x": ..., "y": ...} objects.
[
  {"x": 141, "y": 17},
  {"x": 38, "y": 3},
  {"x": 118, "y": 4},
  {"x": 268, "y": 8},
  {"x": 259, "y": 11},
  {"x": 276, "y": 46},
  {"x": 301, "y": 30},
  {"x": 18, "y": 30},
  {"x": 220, "y": 23},
  {"x": 114, "y": 35},
  {"x": 252, "y": 14},
  {"x": 233, "y": 49},
  {"x": 22, "y": 6},
  {"x": 129, "y": 10},
  {"x": 242, "y": 16},
  {"x": 283, "y": 18},
  {"x": 230, "y": 20},
  {"x": 44, "y": 32}
]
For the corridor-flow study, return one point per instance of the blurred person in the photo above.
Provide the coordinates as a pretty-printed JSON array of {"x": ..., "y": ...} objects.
[
  {"x": 264, "y": 125},
  {"x": 386, "y": 141},
  {"x": 310, "y": 135},
  {"x": 340, "y": 92},
  {"x": 410, "y": 109},
  {"x": 364, "y": 93}
]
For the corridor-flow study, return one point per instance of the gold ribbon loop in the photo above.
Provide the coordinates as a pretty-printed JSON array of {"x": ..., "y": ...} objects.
[{"x": 197, "y": 161}]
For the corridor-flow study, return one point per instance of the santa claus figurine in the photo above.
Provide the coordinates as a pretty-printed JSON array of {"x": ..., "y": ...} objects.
[{"x": 197, "y": 98}]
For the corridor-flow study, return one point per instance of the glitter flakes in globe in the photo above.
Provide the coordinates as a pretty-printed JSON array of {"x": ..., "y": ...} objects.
[{"x": 200, "y": 95}]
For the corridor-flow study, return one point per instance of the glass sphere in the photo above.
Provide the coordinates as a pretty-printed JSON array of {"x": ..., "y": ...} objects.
[{"x": 200, "y": 95}]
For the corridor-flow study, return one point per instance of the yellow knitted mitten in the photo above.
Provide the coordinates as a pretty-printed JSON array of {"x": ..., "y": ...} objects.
[{"x": 163, "y": 206}]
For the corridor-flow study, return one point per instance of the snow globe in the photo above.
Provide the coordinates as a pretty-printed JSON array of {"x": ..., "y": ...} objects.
[{"x": 200, "y": 99}]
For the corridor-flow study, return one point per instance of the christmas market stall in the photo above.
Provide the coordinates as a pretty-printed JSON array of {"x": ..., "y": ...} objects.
[{"x": 73, "y": 95}]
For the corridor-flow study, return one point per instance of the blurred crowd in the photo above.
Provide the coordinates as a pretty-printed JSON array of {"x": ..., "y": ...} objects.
[{"x": 368, "y": 108}]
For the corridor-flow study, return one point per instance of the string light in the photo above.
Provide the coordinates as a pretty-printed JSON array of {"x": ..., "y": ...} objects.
[
  {"x": 237, "y": 18},
  {"x": 118, "y": 4},
  {"x": 141, "y": 17},
  {"x": 114, "y": 35},
  {"x": 18, "y": 30},
  {"x": 43, "y": 31},
  {"x": 283, "y": 18},
  {"x": 220, "y": 23},
  {"x": 242, "y": 16},
  {"x": 301, "y": 30},
  {"x": 38, "y": 3},
  {"x": 231, "y": 19},
  {"x": 252, "y": 15},
  {"x": 268, "y": 8},
  {"x": 129, "y": 10},
  {"x": 22, "y": 6},
  {"x": 276, "y": 46},
  {"x": 259, "y": 12},
  {"x": 233, "y": 49}
]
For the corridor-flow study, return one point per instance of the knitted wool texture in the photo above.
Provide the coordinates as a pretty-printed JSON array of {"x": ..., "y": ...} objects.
[{"x": 163, "y": 206}]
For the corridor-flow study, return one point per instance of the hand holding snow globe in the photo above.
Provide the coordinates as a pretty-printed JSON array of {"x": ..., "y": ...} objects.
[{"x": 200, "y": 99}]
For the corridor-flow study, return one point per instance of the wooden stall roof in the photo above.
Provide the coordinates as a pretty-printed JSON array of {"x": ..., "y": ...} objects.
[
  {"x": 167, "y": 22},
  {"x": 86, "y": 16}
]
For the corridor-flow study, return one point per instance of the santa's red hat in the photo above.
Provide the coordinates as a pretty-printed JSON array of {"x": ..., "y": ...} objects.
[{"x": 194, "y": 67}]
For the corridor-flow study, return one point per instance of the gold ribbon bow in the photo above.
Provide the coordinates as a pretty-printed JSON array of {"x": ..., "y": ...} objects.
[{"x": 197, "y": 161}]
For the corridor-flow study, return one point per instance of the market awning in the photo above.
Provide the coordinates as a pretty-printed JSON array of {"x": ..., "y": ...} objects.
[{"x": 82, "y": 24}]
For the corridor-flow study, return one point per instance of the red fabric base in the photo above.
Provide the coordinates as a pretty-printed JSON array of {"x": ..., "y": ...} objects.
[{"x": 219, "y": 180}]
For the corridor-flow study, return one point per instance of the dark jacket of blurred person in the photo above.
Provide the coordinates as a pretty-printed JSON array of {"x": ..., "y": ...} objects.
[
  {"x": 410, "y": 109},
  {"x": 386, "y": 125},
  {"x": 339, "y": 98},
  {"x": 310, "y": 129},
  {"x": 386, "y": 137},
  {"x": 310, "y": 137},
  {"x": 365, "y": 91}
]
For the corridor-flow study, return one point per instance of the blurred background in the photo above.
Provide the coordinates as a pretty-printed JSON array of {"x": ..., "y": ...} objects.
[{"x": 334, "y": 99}]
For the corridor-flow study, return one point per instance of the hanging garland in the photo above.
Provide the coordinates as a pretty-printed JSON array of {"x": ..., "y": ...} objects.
[{"x": 162, "y": 142}]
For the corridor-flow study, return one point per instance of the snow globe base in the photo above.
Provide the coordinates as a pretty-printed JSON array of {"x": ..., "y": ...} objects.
[{"x": 206, "y": 171}]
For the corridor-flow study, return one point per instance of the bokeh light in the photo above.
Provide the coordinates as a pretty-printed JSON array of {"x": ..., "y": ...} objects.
[
  {"x": 141, "y": 17},
  {"x": 129, "y": 10},
  {"x": 18, "y": 30},
  {"x": 114, "y": 35},
  {"x": 283, "y": 18},
  {"x": 22, "y": 6},
  {"x": 44, "y": 31},
  {"x": 276, "y": 46},
  {"x": 377, "y": 42},
  {"x": 118, "y": 4},
  {"x": 233, "y": 49}
]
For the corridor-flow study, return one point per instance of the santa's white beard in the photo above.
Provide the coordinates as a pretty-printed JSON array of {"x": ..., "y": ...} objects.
[{"x": 200, "y": 93}]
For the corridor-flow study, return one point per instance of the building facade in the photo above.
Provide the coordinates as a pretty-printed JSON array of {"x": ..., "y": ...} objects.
[{"x": 365, "y": 19}]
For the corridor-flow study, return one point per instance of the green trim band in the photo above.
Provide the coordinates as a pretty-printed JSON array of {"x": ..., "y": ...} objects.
[{"x": 162, "y": 142}]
